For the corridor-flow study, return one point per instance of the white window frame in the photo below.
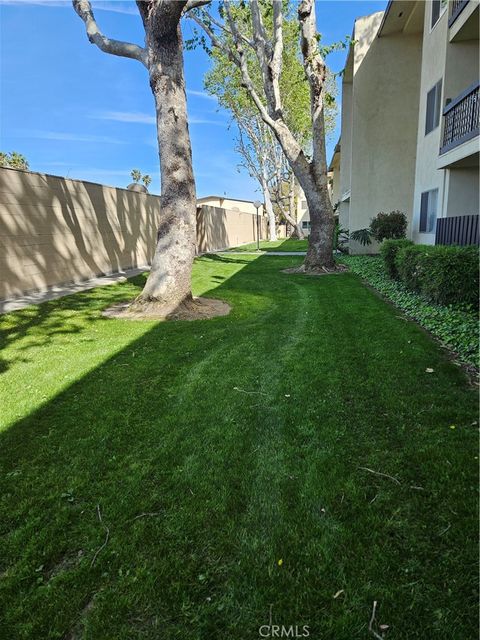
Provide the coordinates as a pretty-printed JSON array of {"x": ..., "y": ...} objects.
[{"x": 443, "y": 8}]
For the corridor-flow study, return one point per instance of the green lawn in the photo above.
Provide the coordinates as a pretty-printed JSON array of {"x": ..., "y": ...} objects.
[
  {"x": 228, "y": 461},
  {"x": 290, "y": 244}
]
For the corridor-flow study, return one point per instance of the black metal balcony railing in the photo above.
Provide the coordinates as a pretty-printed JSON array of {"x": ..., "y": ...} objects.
[
  {"x": 461, "y": 118},
  {"x": 461, "y": 230},
  {"x": 457, "y": 7}
]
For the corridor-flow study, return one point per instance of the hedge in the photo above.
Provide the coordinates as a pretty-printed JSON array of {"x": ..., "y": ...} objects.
[
  {"x": 445, "y": 275},
  {"x": 455, "y": 327},
  {"x": 388, "y": 251}
]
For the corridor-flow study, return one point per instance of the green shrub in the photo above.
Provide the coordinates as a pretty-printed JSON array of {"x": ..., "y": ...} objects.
[
  {"x": 363, "y": 236},
  {"x": 444, "y": 274},
  {"x": 389, "y": 226},
  {"x": 388, "y": 251},
  {"x": 407, "y": 264}
]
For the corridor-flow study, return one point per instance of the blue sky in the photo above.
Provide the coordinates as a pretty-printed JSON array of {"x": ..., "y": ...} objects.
[{"x": 75, "y": 111}]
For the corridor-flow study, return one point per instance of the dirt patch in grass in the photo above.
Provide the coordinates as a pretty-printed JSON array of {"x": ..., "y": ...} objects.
[{"x": 194, "y": 309}]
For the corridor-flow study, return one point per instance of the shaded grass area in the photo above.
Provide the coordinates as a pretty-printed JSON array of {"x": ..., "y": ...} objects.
[
  {"x": 215, "y": 449},
  {"x": 289, "y": 244}
]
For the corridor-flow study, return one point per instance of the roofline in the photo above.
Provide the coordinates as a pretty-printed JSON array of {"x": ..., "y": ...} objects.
[
  {"x": 385, "y": 15},
  {"x": 223, "y": 198},
  {"x": 335, "y": 151}
]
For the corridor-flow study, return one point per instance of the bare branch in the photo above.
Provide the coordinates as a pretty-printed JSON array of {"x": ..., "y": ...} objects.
[
  {"x": 277, "y": 51},
  {"x": 194, "y": 4},
  {"x": 316, "y": 72},
  {"x": 95, "y": 36}
]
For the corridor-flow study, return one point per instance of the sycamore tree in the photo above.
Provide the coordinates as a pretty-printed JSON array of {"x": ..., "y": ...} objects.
[
  {"x": 255, "y": 32},
  {"x": 168, "y": 287},
  {"x": 256, "y": 142}
]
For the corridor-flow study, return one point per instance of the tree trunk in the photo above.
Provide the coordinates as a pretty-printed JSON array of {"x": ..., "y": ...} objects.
[
  {"x": 169, "y": 281},
  {"x": 320, "y": 242},
  {"x": 312, "y": 177},
  {"x": 269, "y": 209},
  {"x": 291, "y": 210}
]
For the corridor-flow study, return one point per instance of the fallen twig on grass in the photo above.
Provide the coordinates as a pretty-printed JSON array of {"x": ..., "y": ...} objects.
[
  {"x": 249, "y": 392},
  {"x": 372, "y": 620},
  {"x": 379, "y": 473},
  {"x": 99, "y": 513},
  {"x": 147, "y": 515}
]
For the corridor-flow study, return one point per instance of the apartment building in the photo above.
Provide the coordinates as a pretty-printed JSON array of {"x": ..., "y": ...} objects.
[{"x": 410, "y": 121}]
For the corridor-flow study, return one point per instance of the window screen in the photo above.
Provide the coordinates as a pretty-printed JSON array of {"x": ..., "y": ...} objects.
[
  {"x": 432, "y": 117},
  {"x": 437, "y": 9},
  {"x": 428, "y": 211}
]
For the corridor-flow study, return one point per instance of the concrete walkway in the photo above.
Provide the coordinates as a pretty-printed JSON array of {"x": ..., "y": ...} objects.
[
  {"x": 37, "y": 297},
  {"x": 262, "y": 253},
  {"x": 21, "y": 302}
]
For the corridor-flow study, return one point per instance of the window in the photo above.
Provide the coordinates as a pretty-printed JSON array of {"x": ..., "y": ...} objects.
[
  {"x": 304, "y": 205},
  {"x": 306, "y": 225},
  {"x": 428, "y": 211},
  {"x": 434, "y": 103},
  {"x": 438, "y": 7}
]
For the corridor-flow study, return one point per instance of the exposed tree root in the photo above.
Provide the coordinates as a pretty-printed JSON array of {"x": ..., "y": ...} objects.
[
  {"x": 188, "y": 309},
  {"x": 317, "y": 271}
]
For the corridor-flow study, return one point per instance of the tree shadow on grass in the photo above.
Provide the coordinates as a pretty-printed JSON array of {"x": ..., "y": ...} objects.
[
  {"x": 44, "y": 322},
  {"x": 155, "y": 495}
]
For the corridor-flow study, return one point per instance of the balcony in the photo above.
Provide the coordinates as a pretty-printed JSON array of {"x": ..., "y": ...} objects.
[
  {"x": 461, "y": 119},
  {"x": 459, "y": 230},
  {"x": 457, "y": 7}
]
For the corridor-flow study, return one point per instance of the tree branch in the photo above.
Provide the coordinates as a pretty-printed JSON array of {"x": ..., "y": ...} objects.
[
  {"x": 116, "y": 47},
  {"x": 316, "y": 72},
  {"x": 194, "y": 4}
]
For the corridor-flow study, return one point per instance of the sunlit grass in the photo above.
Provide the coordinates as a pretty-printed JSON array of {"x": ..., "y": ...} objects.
[
  {"x": 290, "y": 244},
  {"x": 213, "y": 450}
]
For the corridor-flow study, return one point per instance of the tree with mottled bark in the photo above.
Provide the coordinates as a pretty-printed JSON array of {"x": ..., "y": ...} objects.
[
  {"x": 167, "y": 290},
  {"x": 254, "y": 144},
  {"x": 263, "y": 35}
]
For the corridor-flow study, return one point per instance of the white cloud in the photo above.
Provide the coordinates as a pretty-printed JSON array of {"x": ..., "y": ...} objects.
[
  {"x": 145, "y": 118},
  {"x": 126, "y": 116},
  {"x": 68, "y": 137},
  {"x": 200, "y": 94},
  {"x": 116, "y": 6}
]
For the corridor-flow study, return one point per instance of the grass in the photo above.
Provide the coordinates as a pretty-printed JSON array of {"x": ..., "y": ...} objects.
[
  {"x": 228, "y": 459},
  {"x": 455, "y": 326},
  {"x": 290, "y": 244}
]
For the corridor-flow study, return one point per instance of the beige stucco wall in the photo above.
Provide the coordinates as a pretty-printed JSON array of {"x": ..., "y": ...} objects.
[
  {"x": 384, "y": 127},
  {"x": 219, "y": 228},
  {"x": 346, "y": 153},
  {"x": 228, "y": 203},
  {"x": 55, "y": 230},
  {"x": 427, "y": 176},
  {"x": 461, "y": 192}
]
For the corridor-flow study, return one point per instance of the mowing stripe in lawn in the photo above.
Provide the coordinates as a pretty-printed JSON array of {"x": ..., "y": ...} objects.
[{"x": 228, "y": 458}]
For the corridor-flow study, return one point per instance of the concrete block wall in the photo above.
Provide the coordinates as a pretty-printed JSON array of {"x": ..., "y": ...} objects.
[
  {"x": 55, "y": 230},
  {"x": 219, "y": 228}
]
